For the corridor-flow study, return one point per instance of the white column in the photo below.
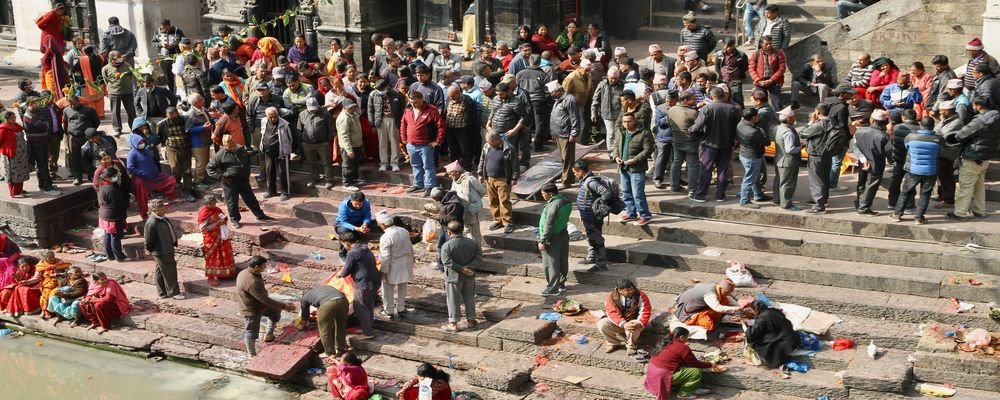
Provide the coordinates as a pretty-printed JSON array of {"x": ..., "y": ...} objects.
[
  {"x": 28, "y": 35},
  {"x": 991, "y": 27}
]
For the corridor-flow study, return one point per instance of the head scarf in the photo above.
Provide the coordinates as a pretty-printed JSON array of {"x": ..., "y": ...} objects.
[{"x": 270, "y": 48}]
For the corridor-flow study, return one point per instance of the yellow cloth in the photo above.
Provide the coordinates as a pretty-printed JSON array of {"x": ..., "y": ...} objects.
[
  {"x": 345, "y": 285},
  {"x": 469, "y": 33}
]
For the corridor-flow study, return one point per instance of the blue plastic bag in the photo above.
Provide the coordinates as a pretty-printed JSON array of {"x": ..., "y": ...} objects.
[
  {"x": 809, "y": 342},
  {"x": 763, "y": 299},
  {"x": 549, "y": 316}
]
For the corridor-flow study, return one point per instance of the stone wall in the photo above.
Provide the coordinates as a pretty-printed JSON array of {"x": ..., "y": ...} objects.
[
  {"x": 904, "y": 30},
  {"x": 42, "y": 222}
]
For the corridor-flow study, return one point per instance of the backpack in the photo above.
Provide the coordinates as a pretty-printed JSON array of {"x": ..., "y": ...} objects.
[{"x": 614, "y": 206}]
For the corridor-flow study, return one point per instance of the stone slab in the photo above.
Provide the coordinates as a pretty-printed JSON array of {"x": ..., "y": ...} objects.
[
  {"x": 128, "y": 338},
  {"x": 387, "y": 367},
  {"x": 959, "y": 362},
  {"x": 889, "y": 372},
  {"x": 523, "y": 329},
  {"x": 225, "y": 358},
  {"x": 960, "y": 380},
  {"x": 813, "y": 384},
  {"x": 416, "y": 348},
  {"x": 279, "y": 362},
  {"x": 179, "y": 348},
  {"x": 501, "y": 371},
  {"x": 196, "y": 330},
  {"x": 602, "y": 383}
]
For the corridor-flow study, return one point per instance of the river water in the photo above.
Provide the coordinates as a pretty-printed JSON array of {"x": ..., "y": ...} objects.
[{"x": 38, "y": 368}]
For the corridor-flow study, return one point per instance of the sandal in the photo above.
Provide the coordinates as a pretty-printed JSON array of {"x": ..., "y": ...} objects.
[{"x": 449, "y": 328}]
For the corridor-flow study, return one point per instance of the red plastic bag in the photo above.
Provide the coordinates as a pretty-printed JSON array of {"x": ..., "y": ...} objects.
[{"x": 843, "y": 344}]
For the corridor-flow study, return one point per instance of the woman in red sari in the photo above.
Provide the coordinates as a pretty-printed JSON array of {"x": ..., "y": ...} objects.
[
  {"x": 348, "y": 380},
  {"x": 885, "y": 74},
  {"x": 430, "y": 382},
  {"x": 218, "y": 247},
  {"x": 9, "y": 253},
  {"x": 21, "y": 296},
  {"x": 105, "y": 302}
]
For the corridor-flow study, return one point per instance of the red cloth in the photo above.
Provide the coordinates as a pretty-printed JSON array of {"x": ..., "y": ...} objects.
[
  {"x": 660, "y": 373},
  {"x": 23, "y": 295},
  {"x": 414, "y": 130},
  {"x": 54, "y": 69},
  {"x": 219, "y": 260},
  {"x": 658, "y": 382},
  {"x": 351, "y": 376},
  {"x": 543, "y": 43},
  {"x": 105, "y": 304},
  {"x": 8, "y": 138},
  {"x": 441, "y": 391},
  {"x": 879, "y": 81},
  {"x": 758, "y": 66},
  {"x": 15, "y": 188},
  {"x": 369, "y": 139},
  {"x": 141, "y": 188}
]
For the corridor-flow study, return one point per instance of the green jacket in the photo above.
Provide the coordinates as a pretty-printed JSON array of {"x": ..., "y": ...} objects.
[
  {"x": 555, "y": 216},
  {"x": 640, "y": 148},
  {"x": 120, "y": 79}
]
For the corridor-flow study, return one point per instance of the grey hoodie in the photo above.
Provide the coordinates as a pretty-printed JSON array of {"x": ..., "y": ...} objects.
[{"x": 119, "y": 38}]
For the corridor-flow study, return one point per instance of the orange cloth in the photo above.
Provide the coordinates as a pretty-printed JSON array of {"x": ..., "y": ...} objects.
[
  {"x": 345, "y": 285},
  {"x": 49, "y": 283},
  {"x": 708, "y": 318}
]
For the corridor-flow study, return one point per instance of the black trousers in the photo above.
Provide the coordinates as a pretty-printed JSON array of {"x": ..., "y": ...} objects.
[
  {"x": 276, "y": 170},
  {"x": 946, "y": 180},
  {"x": 685, "y": 152},
  {"x": 349, "y": 166},
  {"x": 167, "y": 66},
  {"x": 819, "y": 180},
  {"x": 40, "y": 158},
  {"x": 460, "y": 146},
  {"x": 235, "y": 189},
  {"x": 542, "y": 130},
  {"x": 116, "y": 110},
  {"x": 868, "y": 184},
  {"x": 74, "y": 156},
  {"x": 896, "y": 183}
]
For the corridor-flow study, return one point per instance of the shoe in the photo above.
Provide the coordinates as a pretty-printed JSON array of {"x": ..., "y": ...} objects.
[
  {"x": 179, "y": 297},
  {"x": 494, "y": 226},
  {"x": 627, "y": 218},
  {"x": 414, "y": 189},
  {"x": 696, "y": 199},
  {"x": 868, "y": 211},
  {"x": 796, "y": 105},
  {"x": 100, "y": 258},
  {"x": 188, "y": 197},
  {"x": 265, "y": 218},
  {"x": 77, "y": 182},
  {"x": 750, "y": 205},
  {"x": 977, "y": 215},
  {"x": 201, "y": 187},
  {"x": 921, "y": 221},
  {"x": 382, "y": 168},
  {"x": 839, "y": 189},
  {"x": 311, "y": 185},
  {"x": 329, "y": 186},
  {"x": 91, "y": 256},
  {"x": 402, "y": 314},
  {"x": 658, "y": 185},
  {"x": 705, "y": 7},
  {"x": 643, "y": 221},
  {"x": 597, "y": 268},
  {"x": 549, "y": 293},
  {"x": 284, "y": 197},
  {"x": 236, "y": 225},
  {"x": 588, "y": 261},
  {"x": 763, "y": 198},
  {"x": 351, "y": 188},
  {"x": 386, "y": 314},
  {"x": 270, "y": 195},
  {"x": 508, "y": 230},
  {"x": 677, "y": 189},
  {"x": 562, "y": 288},
  {"x": 954, "y": 216},
  {"x": 749, "y": 43},
  {"x": 909, "y": 211},
  {"x": 722, "y": 200},
  {"x": 117, "y": 133},
  {"x": 815, "y": 210},
  {"x": 123, "y": 260},
  {"x": 895, "y": 217},
  {"x": 427, "y": 193},
  {"x": 269, "y": 338},
  {"x": 812, "y": 202},
  {"x": 793, "y": 207}
]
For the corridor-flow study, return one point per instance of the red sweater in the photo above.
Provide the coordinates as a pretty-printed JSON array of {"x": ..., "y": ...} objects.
[
  {"x": 758, "y": 66},
  {"x": 645, "y": 310},
  {"x": 414, "y": 131},
  {"x": 676, "y": 356}
]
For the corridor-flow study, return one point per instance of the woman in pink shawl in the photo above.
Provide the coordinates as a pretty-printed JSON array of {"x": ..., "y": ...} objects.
[
  {"x": 9, "y": 253},
  {"x": 105, "y": 302}
]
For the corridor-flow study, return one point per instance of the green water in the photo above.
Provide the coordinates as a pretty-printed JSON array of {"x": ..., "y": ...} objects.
[{"x": 39, "y": 368}]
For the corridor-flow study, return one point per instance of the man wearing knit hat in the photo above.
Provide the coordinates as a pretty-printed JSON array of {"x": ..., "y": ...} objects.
[
  {"x": 871, "y": 146},
  {"x": 977, "y": 56},
  {"x": 565, "y": 124},
  {"x": 606, "y": 105}
]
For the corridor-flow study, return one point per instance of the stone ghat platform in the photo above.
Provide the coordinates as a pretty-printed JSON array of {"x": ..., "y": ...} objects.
[
  {"x": 40, "y": 219},
  {"x": 885, "y": 282}
]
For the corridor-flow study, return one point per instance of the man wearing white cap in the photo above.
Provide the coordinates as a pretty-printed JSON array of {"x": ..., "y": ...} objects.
[
  {"x": 565, "y": 124},
  {"x": 606, "y": 104},
  {"x": 471, "y": 192},
  {"x": 950, "y": 124},
  {"x": 787, "y": 157},
  {"x": 954, "y": 93},
  {"x": 658, "y": 62},
  {"x": 620, "y": 54},
  {"x": 349, "y": 138},
  {"x": 580, "y": 84},
  {"x": 871, "y": 146}
]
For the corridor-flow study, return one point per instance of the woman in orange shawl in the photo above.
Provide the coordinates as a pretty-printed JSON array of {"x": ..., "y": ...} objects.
[
  {"x": 55, "y": 71},
  {"x": 218, "y": 248},
  {"x": 21, "y": 297},
  {"x": 105, "y": 302},
  {"x": 49, "y": 267},
  {"x": 92, "y": 94},
  {"x": 268, "y": 49}
]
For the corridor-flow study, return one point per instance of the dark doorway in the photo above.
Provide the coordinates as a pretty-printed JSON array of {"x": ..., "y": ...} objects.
[
  {"x": 272, "y": 9},
  {"x": 84, "y": 16}
]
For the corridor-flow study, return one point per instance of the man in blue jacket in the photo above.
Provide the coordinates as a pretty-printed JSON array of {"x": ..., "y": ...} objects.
[
  {"x": 354, "y": 215},
  {"x": 922, "y": 150}
]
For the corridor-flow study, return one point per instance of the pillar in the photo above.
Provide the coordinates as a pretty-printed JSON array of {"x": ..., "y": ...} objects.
[{"x": 991, "y": 27}]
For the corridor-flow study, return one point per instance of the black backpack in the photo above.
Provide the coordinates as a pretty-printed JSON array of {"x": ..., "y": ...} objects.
[{"x": 601, "y": 208}]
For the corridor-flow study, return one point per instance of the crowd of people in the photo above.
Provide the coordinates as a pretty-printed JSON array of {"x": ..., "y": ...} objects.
[{"x": 210, "y": 107}]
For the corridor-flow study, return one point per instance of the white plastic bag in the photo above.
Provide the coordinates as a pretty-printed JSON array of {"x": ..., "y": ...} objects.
[
  {"x": 224, "y": 232},
  {"x": 738, "y": 273},
  {"x": 431, "y": 230},
  {"x": 978, "y": 338}
]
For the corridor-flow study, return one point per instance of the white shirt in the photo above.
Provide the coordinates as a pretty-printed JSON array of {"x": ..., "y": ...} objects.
[{"x": 767, "y": 27}]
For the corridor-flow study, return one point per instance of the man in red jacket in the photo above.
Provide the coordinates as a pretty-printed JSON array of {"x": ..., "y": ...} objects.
[
  {"x": 421, "y": 129},
  {"x": 767, "y": 69},
  {"x": 628, "y": 312}
]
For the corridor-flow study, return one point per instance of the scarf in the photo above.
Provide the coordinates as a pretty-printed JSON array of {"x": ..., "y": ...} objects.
[
  {"x": 113, "y": 290},
  {"x": 206, "y": 213},
  {"x": 270, "y": 47},
  {"x": 235, "y": 88},
  {"x": 632, "y": 312},
  {"x": 319, "y": 85}
]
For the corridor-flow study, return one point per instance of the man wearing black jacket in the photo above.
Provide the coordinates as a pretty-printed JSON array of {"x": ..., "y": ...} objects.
[
  {"x": 716, "y": 126},
  {"x": 840, "y": 117},
  {"x": 871, "y": 145},
  {"x": 37, "y": 129},
  {"x": 904, "y": 123},
  {"x": 79, "y": 119},
  {"x": 818, "y": 135},
  {"x": 231, "y": 165},
  {"x": 753, "y": 140},
  {"x": 532, "y": 80},
  {"x": 151, "y": 101}
]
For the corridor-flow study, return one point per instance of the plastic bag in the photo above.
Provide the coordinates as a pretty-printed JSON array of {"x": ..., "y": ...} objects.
[
  {"x": 750, "y": 355},
  {"x": 809, "y": 342},
  {"x": 574, "y": 233},
  {"x": 738, "y": 273},
  {"x": 430, "y": 231},
  {"x": 843, "y": 344},
  {"x": 978, "y": 338}
]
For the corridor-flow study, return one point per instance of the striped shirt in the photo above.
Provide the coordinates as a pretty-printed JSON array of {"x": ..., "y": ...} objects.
[
  {"x": 859, "y": 76},
  {"x": 968, "y": 80}
]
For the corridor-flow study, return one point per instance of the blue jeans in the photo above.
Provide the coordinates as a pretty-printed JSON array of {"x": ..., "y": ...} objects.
[
  {"x": 748, "y": 15},
  {"x": 751, "y": 179},
  {"x": 422, "y": 160},
  {"x": 845, "y": 8},
  {"x": 633, "y": 186},
  {"x": 838, "y": 161}
]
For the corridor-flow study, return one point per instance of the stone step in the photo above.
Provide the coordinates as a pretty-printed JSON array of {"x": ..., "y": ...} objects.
[
  {"x": 774, "y": 267},
  {"x": 401, "y": 370}
]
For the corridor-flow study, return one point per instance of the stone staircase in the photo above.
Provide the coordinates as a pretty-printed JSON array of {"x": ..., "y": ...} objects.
[
  {"x": 886, "y": 280},
  {"x": 805, "y": 17}
]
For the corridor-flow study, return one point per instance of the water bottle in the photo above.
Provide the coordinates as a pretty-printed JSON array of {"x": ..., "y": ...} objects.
[
  {"x": 794, "y": 366},
  {"x": 5, "y": 332}
]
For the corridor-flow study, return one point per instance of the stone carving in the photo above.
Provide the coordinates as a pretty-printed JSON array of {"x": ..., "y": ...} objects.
[
  {"x": 212, "y": 6},
  {"x": 306, "y": 6},
  {"x": 316, "y": 22}
]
